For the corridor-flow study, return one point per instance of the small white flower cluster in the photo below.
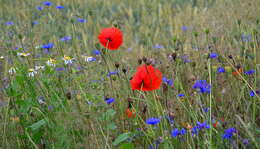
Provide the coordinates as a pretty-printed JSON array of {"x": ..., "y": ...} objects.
[
  {"x": 23, "y": 54},
  {"x": 51, "y": 62},
  {"x": 68, "y": 60},
  {"x": 12, "y": 70}
]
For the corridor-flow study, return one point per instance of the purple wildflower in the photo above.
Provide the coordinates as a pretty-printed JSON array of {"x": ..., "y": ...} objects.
[
  {"x": 167, "y": 81},
  {"x": 48, "y": 46},
  {"x": 81, "y": 20},
  {"x": 252, "y": 93},
  {"x": 184, "y": 28},
  {"x": 221, "y": 70},
  {"x": 47, "y": 3},
  {"x": 250, "y": 72},
  {"x": 213, "y": 55},
  {"x": 65, "y": 38},
  {"x": 40, "y": 8},
  {"x": 60, "y": 7},
  {"x": 152, "y": 121},
  {"x": 202, "y": 86},
  {"x": 109, "y": 100},
  {"x": 9, "y": 23},
  {"x": 157, "y": 46}
]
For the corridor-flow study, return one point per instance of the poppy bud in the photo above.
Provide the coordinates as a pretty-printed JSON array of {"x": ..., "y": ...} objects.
[
  {"x": 115, "y": 25},
  {"x": 97, "y": 45},
  {"x": 196, "y": 34},
  {"x": 230, "y": 57},
  {"x": 149, "y": 62},
  {"x": 207, "y": 31},
  {"x": 139, "y": 61},
  {"x": 145, "y": 109},
  {"x": 68, "y": 95},
  {"x": 193, "y": 64},
  {"x": 174, "y": 55},
  {"x": 117, "y": 65},
  {"x": 238, "y": 66},
  {"x": 103, "y": 50},
  {"x": 144, "y": 59},
  {"x": 124, "y": 70},
  {"x": 239, "y": 22}
]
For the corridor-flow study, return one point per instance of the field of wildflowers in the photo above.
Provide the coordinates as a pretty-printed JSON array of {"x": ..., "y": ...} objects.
[{"x": 129, "y": 74}]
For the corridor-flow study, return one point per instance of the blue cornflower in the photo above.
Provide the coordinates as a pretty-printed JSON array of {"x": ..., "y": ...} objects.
[
  {"x": 9, "y": 23},
  {"x": 185, "y": 59},
  {"x": 90, "y": 59},
  {"x": 183, "y": 131},
  {"x": 35, "y": 22},
  {"x": 59, "y": 69},
  {"x": 181, "y": 95},
  {"x": 184, "y": 28},
  {"x": 202, "y": 86},
  {"x": 40, "y": 8},
  {"x": 47, "y": 3},
  {"x": 157, "y": 46},
  {"x": 252, "y": 93},
  {"x": 202, "y": 125},
  {"x": 46, "y": 51},
  {"x": 48, "y": 46},
  {"x": 245, "y": 141},
  {"x": 175, "y": 132},
  {"x": 170, "y": 119},
  {"x": 109, "y": 100},
  {"x": 250, "y": 72},
  {"x": 96, "y": 52},
  {"x": 213, "y": 55},
  {"x": 81, "y": 20},
  {"x": 112, "y": 73},
  {"x": 167, "y": 81},
  {"x": 152, "y": 121},
  {"x": 65, "y": 38},
  {"x": 246, "y": 38},
  {"x": 194, "y": 131},
  {"x": 206, "y": 109},
  {"x": 60, "y": 7},
  {"x": 228, "y": 133},
  {"x": 221, "y": 70}
]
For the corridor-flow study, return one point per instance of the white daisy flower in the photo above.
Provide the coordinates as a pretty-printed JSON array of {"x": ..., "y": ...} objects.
[
  {"x": 67, "y": 60},
  {"x": 32, "y": 72},
  {"x": 39, "y": 67},
  {"x": 23, "y": 54},
  {"x": 12, "y": 71},
  {"x": 51, "y": 62},
  {"x": 89, "y": 59}
]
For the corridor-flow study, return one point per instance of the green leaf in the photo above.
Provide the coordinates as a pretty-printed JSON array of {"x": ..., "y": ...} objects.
[
  {"x": 127, "y": 146},
  {"x": 121, "y": 138},
  {"x": 38, "y": 124},
  {"x": 108, "y": 115},
  {"x": 111, "y": 126}
]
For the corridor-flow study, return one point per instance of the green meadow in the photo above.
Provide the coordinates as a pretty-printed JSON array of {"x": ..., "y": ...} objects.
[{"x": 60, "y": 88}]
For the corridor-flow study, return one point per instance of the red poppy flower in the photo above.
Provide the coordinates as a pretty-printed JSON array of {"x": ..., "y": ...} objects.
[
  {"x": 146, "y": 78},
  {"x": 111, "y": 38}
]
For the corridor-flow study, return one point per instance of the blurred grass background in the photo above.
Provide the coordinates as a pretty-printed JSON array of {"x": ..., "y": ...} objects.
[{"x": 190, "y": 28}]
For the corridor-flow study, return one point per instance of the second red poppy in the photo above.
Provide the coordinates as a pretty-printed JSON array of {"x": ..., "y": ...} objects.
[{"x": 146, "y": 78}]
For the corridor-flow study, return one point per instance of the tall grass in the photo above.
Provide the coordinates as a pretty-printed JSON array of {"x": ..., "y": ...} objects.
[{"x": 63, "y": 106}]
